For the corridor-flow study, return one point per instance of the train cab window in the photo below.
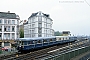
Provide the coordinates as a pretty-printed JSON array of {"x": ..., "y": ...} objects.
[{"x": 20, "y": 42}]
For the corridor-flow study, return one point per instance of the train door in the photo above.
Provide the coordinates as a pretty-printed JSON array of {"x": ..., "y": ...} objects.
[
  {"x": 35, "y": 42},
  {"x": 31, "y": 44},
  {"x": 51, "y": 41},
  {"x": 39, "y": 43},
  {"x": 45, "y": 42},
  {"x": 54, "y": 40},
  {"x": 26, "y": 45}
]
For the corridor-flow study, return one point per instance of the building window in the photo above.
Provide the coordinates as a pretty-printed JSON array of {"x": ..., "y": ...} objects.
[
  {"x": 13, "y": 28},
  {"x": 4, "y": 36},
  {"x": 39, "y": 25},
  {"x": 6, "y": 44},
  {"x": 9, "y": 21},
  {"x": 45, "y": 19},
  {"x": 0, "y": 21},
  {"x": 33, "y": 19},
  {"x": 5, "y": 28},
  {"x": 33, "y": 25},
  {"x": 32, "y": 31},
  {"x": 13, "y": 21},
  {"x": 8, "y": 36},
  {"x": 9, "y": 28},
  {"x": 39, "y": 19},
  {"x": 0, "y": 28},
  {"x": 0, "y": 36},
  {"x": 39, "y": 35},
  {"x": 5, "y": 21},
  {"x": 13, "y": 35},
  {"x": 40, "y": 31}
]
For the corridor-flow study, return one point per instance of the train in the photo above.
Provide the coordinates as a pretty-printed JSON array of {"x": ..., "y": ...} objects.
[{"x": 30, "y": 44}]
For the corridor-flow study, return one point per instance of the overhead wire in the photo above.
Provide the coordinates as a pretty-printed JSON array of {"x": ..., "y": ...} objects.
[{"x": 87, "y": 2}]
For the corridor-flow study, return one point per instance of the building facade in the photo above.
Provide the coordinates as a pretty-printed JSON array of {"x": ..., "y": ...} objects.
[
  {"x": 9, "y": 26},
  {"x": 38, "y": 25}
]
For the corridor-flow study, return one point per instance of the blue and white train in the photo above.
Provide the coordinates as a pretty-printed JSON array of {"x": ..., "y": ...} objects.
[{"x": 27, "y": 44}]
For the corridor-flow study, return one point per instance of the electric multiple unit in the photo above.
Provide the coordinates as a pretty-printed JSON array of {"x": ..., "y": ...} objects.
[{"x": 24, "y": 44}]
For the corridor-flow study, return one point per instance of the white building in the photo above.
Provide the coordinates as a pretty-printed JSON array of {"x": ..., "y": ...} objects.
[
  {"x": 38, "y": 25},
  {"x": 9, "y": 26}
]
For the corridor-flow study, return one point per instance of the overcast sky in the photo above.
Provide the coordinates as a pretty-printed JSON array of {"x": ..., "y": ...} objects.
[{"x": 72, "y": 15}]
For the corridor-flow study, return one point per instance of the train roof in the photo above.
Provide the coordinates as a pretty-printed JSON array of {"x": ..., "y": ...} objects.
[
  {"x": 65, "y": 36},
  {"x": 62, "y": 36},
  {"x": 37, "y": 38}
]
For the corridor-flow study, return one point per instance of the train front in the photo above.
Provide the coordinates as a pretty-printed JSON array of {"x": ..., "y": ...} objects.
[{"x": 19, "y": 46}]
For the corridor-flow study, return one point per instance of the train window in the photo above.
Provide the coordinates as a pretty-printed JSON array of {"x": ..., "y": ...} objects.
[
  {"x": 28, "y": 42},
  {"x": 20, "y": 42},
  {"x": 54, "y": 39},
  {"x": 39, "y": 42},
  {"x": 25, "y": 43},
  {"x": 31, "y": 42},
  {"x": 45, "y": 41},
  {"x": 59, "y": 38},
  {"x": 35, "y": 41},
  {"x": 51, "y": 40},
  {"x": 63, "y": 38}
]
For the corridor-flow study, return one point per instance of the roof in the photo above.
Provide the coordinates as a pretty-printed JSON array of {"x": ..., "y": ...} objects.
[
  {"x": 66, "y": 31},
  {"x": 34, "y": 14},
  {"x": 8, "y": 15},
  {"x": 37, "y": 38}
]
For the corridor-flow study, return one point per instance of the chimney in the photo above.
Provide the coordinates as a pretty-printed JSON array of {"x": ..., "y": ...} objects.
[
  {"x": 25, "y": 21},
  {"x": 8, "y": 11}
]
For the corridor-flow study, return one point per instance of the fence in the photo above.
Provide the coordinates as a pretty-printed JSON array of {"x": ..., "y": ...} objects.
[{"x": 70, "y": 54}]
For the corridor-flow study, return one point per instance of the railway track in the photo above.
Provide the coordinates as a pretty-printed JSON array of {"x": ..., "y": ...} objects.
[
  {"x": 7, "y": 56},
  {"x": 39, "y": 54},
  {"x": 33, "y": 55},
  {"x": 58, "y": 51}
]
